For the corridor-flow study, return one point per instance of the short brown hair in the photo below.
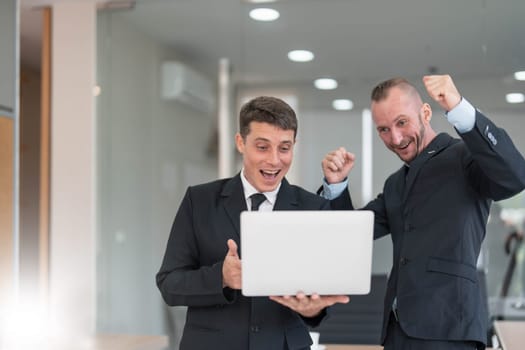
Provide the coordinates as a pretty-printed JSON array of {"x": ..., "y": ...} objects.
[
  {"x": 380, "y": 92},
  {"x": 267, "y": 109}
]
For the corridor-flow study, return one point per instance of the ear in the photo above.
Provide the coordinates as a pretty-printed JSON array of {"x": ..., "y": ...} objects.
[
  {"x": 239, "y": 142},
  {"x": 427, "y": 112}
]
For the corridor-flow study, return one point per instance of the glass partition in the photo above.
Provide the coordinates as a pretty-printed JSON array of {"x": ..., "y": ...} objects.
[{"x": 150, "y": 148}]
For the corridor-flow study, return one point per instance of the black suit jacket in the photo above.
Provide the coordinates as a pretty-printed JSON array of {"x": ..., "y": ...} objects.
[
  {"x": 191, "y": 273},
  {"x": 436, "y": 212}
]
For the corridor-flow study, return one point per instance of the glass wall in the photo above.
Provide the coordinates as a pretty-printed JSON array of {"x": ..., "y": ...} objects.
[{"x": 150, "y": 148}]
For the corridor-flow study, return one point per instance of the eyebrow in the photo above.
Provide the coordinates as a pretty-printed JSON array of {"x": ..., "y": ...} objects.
[
  {"x": 267, "y": 140},
  {"x": 401, "y": 116}
]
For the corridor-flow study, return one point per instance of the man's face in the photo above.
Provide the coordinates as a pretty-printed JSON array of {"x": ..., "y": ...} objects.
[
  {"x": 267, "y": 155},
  {"x": 403, "y": 123}
]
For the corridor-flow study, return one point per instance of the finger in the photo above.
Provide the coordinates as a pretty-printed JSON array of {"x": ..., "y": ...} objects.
[
  {"x": 432, "y": 81},
  {"x": 315, "y": 297},
  {"x": 438, "y": 85},
  {"x": 338, "y": 153},
  {"x": 432, "y": 86},
  {"x": 301, "y": 297},
  {"x": 429, "y": 78},
  {"x": 349, "y": 163},
  {"x": 335, "y": 299},
  {"x": 346, "y": 156},
  {"x": 232, "y": 248},
  {"x": 341, "y": 154},
  {"x": 327, "y": 161},
  {"x": 341, "y": 158},
  {"x": 332, "y": 164},
  {"x": 344, "y": 299},
  {"x": 350, "y": 157},
  {"x": 277, "y": 299},
  {"x": 336, "y": 163},
  {"x": 441, "y": 88}
]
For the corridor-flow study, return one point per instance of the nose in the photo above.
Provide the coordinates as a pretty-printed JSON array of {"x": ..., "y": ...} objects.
[
  {"x": 273, "y": 157},
  {"x": 396, "y": 137}
]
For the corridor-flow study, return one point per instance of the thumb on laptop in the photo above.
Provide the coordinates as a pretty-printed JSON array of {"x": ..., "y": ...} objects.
[{"x": 232, "y": 248}]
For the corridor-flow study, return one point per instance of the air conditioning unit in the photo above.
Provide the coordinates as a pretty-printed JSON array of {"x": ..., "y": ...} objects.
[{"x": 182, "y": 83}]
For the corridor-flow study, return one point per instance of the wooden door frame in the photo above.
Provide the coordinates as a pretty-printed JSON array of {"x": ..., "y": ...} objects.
[
  {"x": 7, "y": 199},
  {"x": 45, "y": 158}
]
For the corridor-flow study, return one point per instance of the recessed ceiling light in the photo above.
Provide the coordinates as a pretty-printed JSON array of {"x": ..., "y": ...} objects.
[
  {"x": 260, "y": 1},
  {"x": 300, "y": 55},
  {"x": 515, "y": 97},
  {"x": 519, "y": 75},
  {"x": 325, "y": 84},
  {"x": 342, "y": 104},
  {"x": 264, "y": 14}
]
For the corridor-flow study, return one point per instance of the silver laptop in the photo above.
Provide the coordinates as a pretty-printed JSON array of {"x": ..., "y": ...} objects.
[{"x": 324, "y": 252}]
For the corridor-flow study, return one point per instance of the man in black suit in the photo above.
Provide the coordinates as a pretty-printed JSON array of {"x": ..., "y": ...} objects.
[
  {"x": 435, "y": 208},
  {"x": 201, "y": 267}
]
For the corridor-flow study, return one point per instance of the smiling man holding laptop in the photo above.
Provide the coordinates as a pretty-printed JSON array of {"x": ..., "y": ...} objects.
[{"x": 202, "y": 266}]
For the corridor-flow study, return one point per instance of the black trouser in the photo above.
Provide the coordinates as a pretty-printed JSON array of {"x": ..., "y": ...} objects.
[{"x": 396, "y": 339}]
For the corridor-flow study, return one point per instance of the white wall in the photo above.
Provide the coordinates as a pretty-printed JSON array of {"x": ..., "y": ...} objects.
[{"x": 149, "y": 151}]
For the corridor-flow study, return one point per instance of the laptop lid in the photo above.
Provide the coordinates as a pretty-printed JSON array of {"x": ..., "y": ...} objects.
[{"x": 324, "y": 252}]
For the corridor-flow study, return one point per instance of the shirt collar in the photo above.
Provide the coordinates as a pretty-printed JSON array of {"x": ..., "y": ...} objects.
[{"x": 249, "y": 190}]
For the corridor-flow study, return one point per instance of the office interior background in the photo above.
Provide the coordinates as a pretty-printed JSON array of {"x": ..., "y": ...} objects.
[{"x": 99, "y": 143}]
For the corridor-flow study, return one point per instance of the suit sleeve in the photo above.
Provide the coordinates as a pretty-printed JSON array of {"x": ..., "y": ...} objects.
[
  {"x": 377, "y": 205},
  {"x": 182, "y": 278},
  {"x": 342, "y": 202},
  {"x": 496, "y": 168}
]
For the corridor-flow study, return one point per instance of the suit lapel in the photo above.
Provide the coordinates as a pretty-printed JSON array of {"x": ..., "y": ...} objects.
[
  {"x": 435, "y": 147},
  {"x": 234, "y": 201},
  {"x": 286, "y": 198},
  {"x": 232, "y": 195}
]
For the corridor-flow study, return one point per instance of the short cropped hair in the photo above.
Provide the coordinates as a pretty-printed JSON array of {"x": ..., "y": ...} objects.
[
  {"x": 267, "y": 109},
  {"x": 380, "y": 92}
]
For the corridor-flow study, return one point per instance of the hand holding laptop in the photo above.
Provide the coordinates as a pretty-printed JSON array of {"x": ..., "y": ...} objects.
[
  {"x": 232, "y": 274},
  {"x": 309, "y": 306},
  {"x": 231, "y": 268}
]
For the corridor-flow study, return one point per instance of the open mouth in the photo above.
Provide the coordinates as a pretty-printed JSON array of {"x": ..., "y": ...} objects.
[
  {"x": 403, "y": 147},
  {"x": 270, "y": 174}
]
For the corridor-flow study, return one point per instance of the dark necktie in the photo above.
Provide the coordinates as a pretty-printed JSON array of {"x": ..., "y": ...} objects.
[{"x": 257, "y": 199}]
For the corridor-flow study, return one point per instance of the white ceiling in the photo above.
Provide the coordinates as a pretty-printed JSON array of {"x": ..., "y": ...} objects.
[{"x": 358, "y": 42}]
